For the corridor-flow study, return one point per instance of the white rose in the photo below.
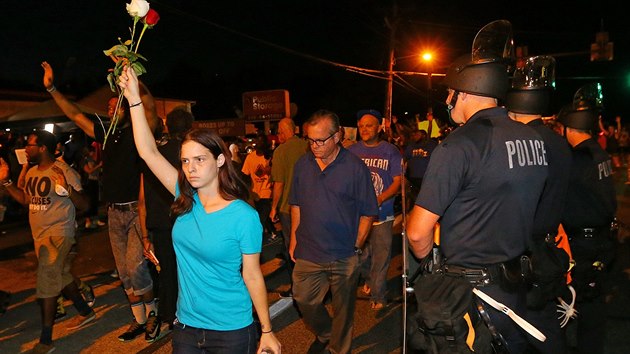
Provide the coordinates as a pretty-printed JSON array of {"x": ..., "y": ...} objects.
[{"x": 138, "y": 8}]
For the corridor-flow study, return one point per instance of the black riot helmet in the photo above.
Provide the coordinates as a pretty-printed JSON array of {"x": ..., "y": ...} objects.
[
  {"x": 532, "y": 86},
  {"x": 484, "y": 72},
  {"x": 583, "y": 113}
]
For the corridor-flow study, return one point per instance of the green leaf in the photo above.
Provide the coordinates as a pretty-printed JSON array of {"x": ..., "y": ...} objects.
[
  {"x": 118, "y": 50},
  {"x": 128, "y": 42},
  {"x": 138, "y": 68},
  {"x": 112, "y": 81}
]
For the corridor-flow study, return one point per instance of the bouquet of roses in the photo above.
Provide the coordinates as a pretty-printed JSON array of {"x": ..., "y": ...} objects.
[{"x": 126, "y": 53}]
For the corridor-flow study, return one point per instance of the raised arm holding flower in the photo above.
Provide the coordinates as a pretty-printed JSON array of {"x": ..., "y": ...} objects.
[
  {"x": 206, "y": 187},
  {"x": 126, "y": 53}
]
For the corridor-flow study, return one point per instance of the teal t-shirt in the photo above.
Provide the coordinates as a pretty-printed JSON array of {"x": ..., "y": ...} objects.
[{"x": 209, "y": 249}]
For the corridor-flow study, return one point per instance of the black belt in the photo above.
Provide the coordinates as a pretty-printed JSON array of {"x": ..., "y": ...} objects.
[
  {"x": 479, "y": 277},
  {"x": 511, "y": 271},
  {"x": 129, "y": 206}
]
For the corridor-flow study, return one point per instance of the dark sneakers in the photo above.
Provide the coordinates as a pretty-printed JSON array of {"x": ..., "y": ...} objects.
[
  {"x": 79, "y": 321},
  {"x": 318, "y": 347},
  {"x": 134, "y": 330},
  {"x": 152, "y": 328},
  {"x": 88, "y": 294}
]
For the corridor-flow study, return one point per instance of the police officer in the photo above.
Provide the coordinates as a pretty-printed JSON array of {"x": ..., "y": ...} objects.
[
  {"x": 527, "y": 100},
  {"x": 591, "y": 208},
  {"x": 482, "y": 184}
]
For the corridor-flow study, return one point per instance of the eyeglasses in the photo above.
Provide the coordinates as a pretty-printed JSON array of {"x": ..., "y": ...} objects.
[{"x": 319, "y": 142}]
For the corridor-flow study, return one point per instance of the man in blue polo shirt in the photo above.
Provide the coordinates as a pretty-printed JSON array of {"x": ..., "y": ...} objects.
[{"x": 332, "y": 204}]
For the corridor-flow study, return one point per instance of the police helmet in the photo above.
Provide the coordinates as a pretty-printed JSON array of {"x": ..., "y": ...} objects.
[
  {"x": 532, "y": 86},
  {"x": 488, "y": 79},
  {"x": 583, "y": 113},
  {"x": 484, "y": 72}
]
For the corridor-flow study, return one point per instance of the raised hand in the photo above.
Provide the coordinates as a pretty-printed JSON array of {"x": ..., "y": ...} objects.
[
  {"x": 128, "y": 82},
  {"x": 48, "y": 75}
]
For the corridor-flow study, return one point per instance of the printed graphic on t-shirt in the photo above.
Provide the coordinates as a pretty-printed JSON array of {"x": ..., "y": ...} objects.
[{"x": 38, "y": 188}]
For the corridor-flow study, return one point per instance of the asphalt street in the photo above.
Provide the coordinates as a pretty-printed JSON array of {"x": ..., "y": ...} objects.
[{"x": 375, "y": 332}]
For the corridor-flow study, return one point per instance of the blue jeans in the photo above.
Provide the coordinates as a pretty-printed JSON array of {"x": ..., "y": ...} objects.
[
  {"x": 190, "y": 340},
  {"x": 311, "y": 282},
  {"x": 125, "y": 238},
  {"x": 375, "y": 260}
]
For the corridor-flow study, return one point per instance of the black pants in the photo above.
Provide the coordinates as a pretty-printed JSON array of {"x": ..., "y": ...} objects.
[
  {"x": 167, "y": 277},
  {"x": 263, "y": 207},
  {"x": 590, "y": 285}
]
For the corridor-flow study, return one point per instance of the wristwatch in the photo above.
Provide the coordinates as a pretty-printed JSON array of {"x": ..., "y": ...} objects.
[{"x": 358, "y": 251}]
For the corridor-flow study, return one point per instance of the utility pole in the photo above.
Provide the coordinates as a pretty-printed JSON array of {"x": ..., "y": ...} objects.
[{"x": 391, "y": 25}]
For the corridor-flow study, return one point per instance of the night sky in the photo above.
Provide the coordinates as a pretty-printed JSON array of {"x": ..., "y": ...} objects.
[{"x": 211, "y": 52}]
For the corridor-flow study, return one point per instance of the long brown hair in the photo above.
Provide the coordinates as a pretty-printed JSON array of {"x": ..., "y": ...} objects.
[{"x": 231, "y": 185}]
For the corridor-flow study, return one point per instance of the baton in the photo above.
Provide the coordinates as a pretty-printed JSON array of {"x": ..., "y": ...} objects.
[{"x": 516, "y": 318}]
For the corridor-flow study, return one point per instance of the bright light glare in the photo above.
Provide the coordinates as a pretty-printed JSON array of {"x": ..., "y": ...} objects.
[
  {"x": 49, "y": 127},
  {"x": 427, "y": 56}
]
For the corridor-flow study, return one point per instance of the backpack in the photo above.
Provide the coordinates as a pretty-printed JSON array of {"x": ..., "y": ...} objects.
[{"x": 447, "y": 320}]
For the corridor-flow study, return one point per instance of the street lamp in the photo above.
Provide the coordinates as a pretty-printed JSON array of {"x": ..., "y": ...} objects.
[{"x": 427, "y": 57}]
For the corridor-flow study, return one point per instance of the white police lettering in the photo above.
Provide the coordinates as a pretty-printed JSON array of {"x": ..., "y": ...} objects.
[
  {"x": 605, "y": 169},
  {"x": 527, "y": 153},
  {"x": 383, "y": 164}
]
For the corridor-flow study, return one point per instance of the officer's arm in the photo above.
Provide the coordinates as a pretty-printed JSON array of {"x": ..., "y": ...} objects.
[{"x": 420, "y": 226}]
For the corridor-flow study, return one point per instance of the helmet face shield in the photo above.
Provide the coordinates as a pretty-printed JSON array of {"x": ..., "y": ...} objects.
[
  {"x": 532, "y": 86},
  {"x": 484, "y": 72},
  {"x": 584, "y": 111},
  {"x": 538, "y": 72},
  {"x": 494, "y": 43},
  {"x": 589, "y": 96}
]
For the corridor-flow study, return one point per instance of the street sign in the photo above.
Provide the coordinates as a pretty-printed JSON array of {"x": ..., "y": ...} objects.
[
  {"x": 260, "y": 106},
  {"x": 228, "y": 127}
]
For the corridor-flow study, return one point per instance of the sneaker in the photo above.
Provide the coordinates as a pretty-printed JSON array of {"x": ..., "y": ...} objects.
[
  {"x": 317, "y": 347},
  {"x": 134, "y": 330},
  {"x": 88, "y": 294},
  {"x": 79, "y": 321},
  {"x": 60, "y": 315},
  {"x": 114, "y": 274},
  {"x": 152, "y": 328},
  {"x": 41, "y": 348}
]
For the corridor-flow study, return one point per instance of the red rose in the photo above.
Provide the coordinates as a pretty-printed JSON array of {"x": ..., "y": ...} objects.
[{"x": 152, "y": 18}]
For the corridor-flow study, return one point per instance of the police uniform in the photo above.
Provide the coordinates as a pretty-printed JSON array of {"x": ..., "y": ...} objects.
[
  {"x": 485, "y": 180},
  {"x": 591, "y": 207}
]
